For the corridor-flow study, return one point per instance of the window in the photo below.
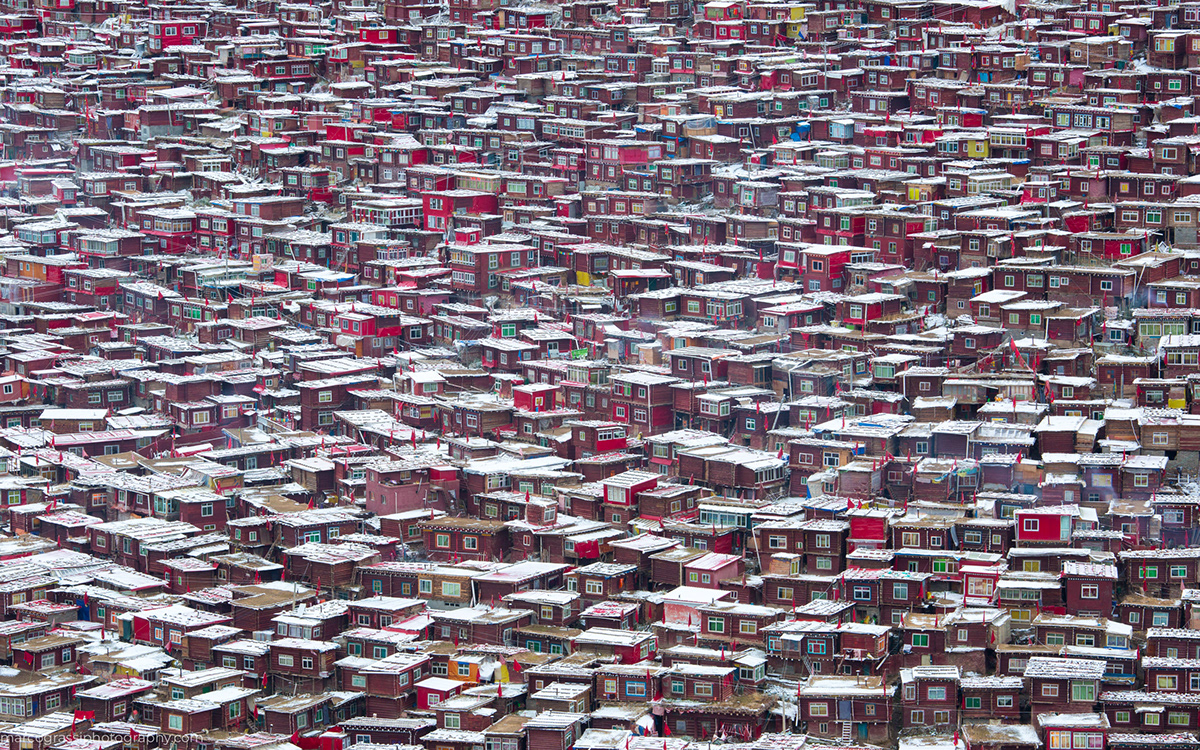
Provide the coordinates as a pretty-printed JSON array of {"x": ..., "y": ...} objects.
[
  {"x": 1089, "y": 591},
  {"x": 1083, "y": 691},
  {"x": 1049, "y": 691},
  {"x": 920, "y": 640},
  {"x": 175, "y": 722},
  {"x": 451, "y": 588},
  {"x": 1167, "y": 682},
  {"x": 716, "y": 625},
  {"x": 1029, "y": 524},
  {"x": 286, "y": 660}
]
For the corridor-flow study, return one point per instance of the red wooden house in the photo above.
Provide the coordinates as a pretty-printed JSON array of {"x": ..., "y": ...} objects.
[{"x": 441, "y": 206}]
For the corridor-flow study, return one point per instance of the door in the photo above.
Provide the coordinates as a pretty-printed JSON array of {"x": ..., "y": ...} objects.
[{"x": 844, "y": 710}]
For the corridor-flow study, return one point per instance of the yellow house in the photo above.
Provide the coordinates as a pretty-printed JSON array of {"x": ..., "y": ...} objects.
[
  {"x": 975, "y": 146},
  {"x": 919, "y": 191},
  {"x": 793, "y": 21}
]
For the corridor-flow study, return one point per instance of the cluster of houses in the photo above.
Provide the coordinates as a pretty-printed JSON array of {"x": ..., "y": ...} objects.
[{"x": 599, "y": 375}]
